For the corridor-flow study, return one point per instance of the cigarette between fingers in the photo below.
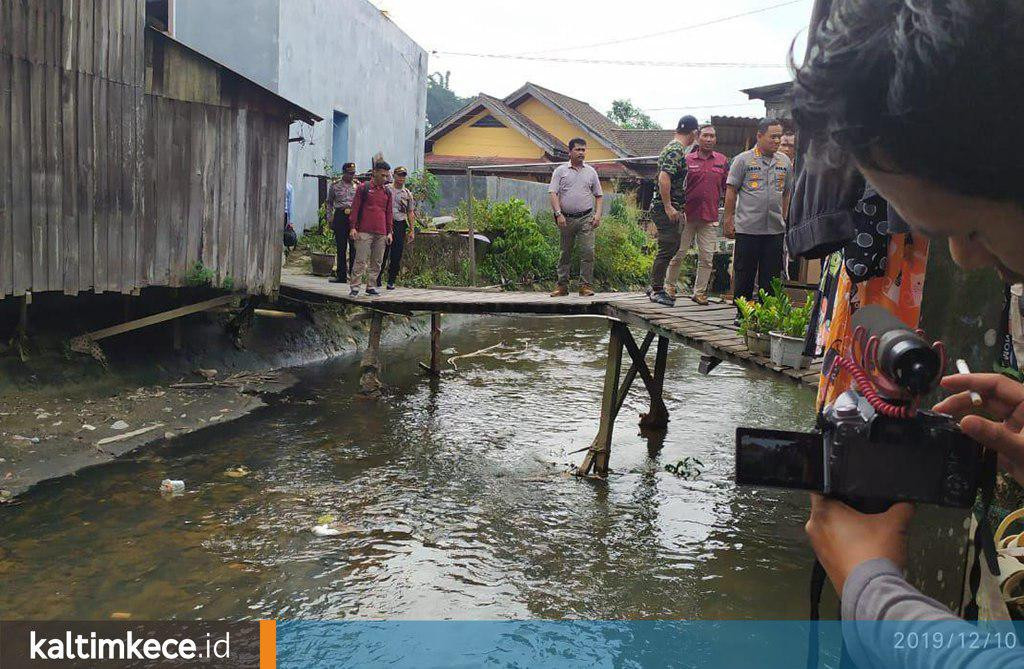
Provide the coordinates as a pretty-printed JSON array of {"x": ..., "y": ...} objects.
[{"x": 961, "y": 366}]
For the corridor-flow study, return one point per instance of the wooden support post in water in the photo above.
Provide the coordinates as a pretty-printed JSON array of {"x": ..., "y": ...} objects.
[
  {"x": 627, "y": 382},
  {"x": 369, "y": 370},
  {"x": 435, "y": 344},
  {"x": 657, "y": 417},
  {"x": 600, "y": 450}
]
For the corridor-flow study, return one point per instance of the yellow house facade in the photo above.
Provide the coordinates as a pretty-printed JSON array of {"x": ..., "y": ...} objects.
[{"x": 532, "y": 125}]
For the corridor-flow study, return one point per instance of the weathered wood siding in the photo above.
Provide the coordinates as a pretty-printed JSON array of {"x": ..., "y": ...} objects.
[
  {"x": 126, "y": 158},
  {"x": 215, "y": 169}
]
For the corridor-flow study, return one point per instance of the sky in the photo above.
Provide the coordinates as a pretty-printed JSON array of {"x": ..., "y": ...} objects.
[{"x": 547, "y": 27}]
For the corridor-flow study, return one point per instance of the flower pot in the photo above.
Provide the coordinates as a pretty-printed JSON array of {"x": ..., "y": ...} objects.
[
  {"x": 788, "y": 351},
  {"x": 323, "y": 263},
  {"x": 758, "y": 344}
]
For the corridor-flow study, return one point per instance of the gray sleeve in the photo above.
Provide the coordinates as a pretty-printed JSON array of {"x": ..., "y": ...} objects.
[
  {"x": 736, "y": 171},
  {"x": 555, "y": 176},
  {"x": 876, "y": 591},
  {"x": 595, "y": 188}
]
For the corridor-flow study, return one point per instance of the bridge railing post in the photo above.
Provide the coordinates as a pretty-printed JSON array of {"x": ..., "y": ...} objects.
[{"x": 469, "y": 225}]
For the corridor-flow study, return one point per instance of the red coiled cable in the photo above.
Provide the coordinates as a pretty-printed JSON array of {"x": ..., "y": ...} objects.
[{"x": 867, "y": 389}]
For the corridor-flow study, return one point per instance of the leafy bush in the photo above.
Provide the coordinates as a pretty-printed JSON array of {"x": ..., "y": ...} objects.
[
  {"x": 774, "y": 313},
  {"x": 482, "y": 212},
  {"x": 519, "y": 252},
  {"x": 621, "y": 258},
  {"x": 424, "y": 187},
  {"x": 199, "y": 276},
  {"x": 318, "y": 240}
]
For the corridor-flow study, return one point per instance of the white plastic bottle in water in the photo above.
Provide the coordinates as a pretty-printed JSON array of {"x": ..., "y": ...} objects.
[{"x": 173, "y": 487}]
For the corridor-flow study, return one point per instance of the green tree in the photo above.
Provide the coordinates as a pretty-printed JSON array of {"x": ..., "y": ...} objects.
[
  {"x": 628, "y": 115},
  {"x": 441, "y": 100}
]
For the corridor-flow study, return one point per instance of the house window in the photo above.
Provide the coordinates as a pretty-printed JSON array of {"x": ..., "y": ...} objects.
[
  {"x": 339, "y": 147},
  {"x": 488, "y": 122}
]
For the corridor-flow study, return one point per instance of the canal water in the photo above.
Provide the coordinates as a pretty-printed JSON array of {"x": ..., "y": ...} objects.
[{"x": 454, "y": 501}]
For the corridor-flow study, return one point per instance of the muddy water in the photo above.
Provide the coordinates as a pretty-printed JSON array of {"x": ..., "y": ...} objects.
[{"x": 453, "y": 501}]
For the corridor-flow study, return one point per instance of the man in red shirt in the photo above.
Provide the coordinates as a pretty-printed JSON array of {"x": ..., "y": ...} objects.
[
  {"x": 706, "y": 171},
  {"x": 372, "y": 226}
]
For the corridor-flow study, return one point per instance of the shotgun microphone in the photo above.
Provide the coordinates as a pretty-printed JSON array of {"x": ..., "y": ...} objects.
[{"x": 896, "y": 352}]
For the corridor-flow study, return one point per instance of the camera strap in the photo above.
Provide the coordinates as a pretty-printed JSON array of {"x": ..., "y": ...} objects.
[
  {"x": 984, "y": 544},
  {"x": 818, "y": 579}
]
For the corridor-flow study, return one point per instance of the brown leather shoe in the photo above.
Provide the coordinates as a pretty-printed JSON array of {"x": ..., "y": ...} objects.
[
  {"x": 586, "y": 290},
  {"x": 702, "y": 300},
  {"x": 560, "y": 291}
]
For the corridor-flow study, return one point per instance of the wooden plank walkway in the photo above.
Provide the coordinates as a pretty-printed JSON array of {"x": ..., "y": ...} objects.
[{"x": 709, "y": 328}]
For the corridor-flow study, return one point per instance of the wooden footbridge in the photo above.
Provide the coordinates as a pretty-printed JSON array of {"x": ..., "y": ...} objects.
[{"x": 709, "y": 329}]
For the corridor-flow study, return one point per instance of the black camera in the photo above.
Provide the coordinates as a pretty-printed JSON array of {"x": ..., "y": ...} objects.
[{"x": 873, "y": 446}]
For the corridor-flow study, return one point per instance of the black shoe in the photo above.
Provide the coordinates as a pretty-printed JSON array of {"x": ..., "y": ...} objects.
[
  {"x": 662, "y": 298},
  {"x": 391, "y": 286},
  {"x": 354, "y": 292},
  {"x": 335, "y": 279},
  {"x": 372, "y": 291}
]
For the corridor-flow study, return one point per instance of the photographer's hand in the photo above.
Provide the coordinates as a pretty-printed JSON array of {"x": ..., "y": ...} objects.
[
  {"x": 843, "y": 537},
  {"x": 1003, "y": 400}
]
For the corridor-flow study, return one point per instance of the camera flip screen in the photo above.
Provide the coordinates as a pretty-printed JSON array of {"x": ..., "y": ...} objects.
[{"x": 779, "y": 459}]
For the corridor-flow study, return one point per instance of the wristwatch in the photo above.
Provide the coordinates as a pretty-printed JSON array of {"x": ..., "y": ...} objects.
[{"x": 558, "y": 213}]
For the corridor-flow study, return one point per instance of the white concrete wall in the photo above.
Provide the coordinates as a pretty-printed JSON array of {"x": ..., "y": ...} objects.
[
  {"x": 346, "y": 56},
  {"x": 241, "y": 34},
  {"x": 331, "y": 55}
]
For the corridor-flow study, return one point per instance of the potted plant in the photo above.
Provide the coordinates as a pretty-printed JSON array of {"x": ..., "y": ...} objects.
[
  {"x": 755, "y": 325},
  {"x": 320, "y": 244},
  {"x": 790, "y": 326}
]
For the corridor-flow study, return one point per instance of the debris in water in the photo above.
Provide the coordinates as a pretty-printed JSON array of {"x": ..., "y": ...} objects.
[
  {"x": 238, "y": 472},
  {"x": 119, "y": 425},
  {"x": 172, "y": 487},
  {"x": 120, "y": 615},
  {"x": 325, "y": 531},
  {"x": 687, "y": 468},
  {"x": 128, "y": 435},
  {"x": 86, "y": 426},
  {"x": 208, "y": 374},
  {"x": 325, "y": 519},
  {"x": 33, "y": 440},
  {"x": 450, "y": 351}
]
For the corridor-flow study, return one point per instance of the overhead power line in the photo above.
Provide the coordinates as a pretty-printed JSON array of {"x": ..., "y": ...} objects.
[
  {"x": 728, "y": 104},
  {"x": 673, "y": 31},
  {"x": 600, "y": 61}
]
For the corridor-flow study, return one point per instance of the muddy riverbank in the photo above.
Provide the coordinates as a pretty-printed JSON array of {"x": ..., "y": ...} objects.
[{"x": 61, "y": 412}]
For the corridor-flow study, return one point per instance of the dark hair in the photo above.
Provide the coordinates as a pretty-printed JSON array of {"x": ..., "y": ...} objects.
[
  {"x": 706, "y": 125},
  {"x": 575, "y": 141},
  {"x": 765, "y": 123},
  {"x": 381, "y": 165},
  {"x": 888, "y": 82}
]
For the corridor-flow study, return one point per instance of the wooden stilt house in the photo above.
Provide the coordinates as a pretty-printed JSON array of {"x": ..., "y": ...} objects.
[{"x": 127, "y": 159}]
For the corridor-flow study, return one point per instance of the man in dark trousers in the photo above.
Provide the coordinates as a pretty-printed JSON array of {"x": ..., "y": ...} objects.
[
  {"x": 340, "y": 194},
  {"x": 667, "y": 207},
  {"x": 757, "y": 195},
  {"x": 404, "y": 207}
]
